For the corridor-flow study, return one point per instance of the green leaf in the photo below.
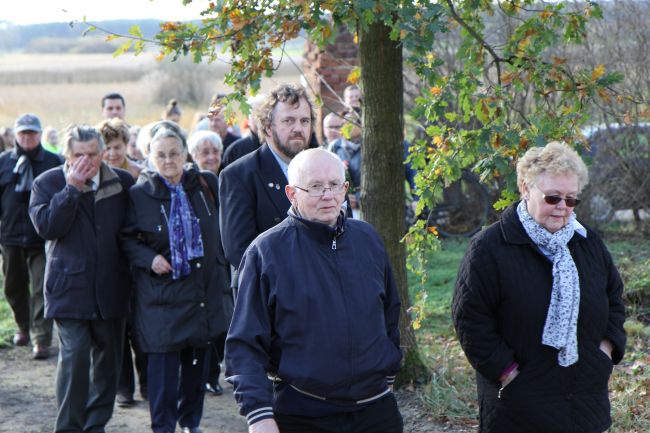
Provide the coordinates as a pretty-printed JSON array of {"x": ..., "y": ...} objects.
[
  {"x": 126, "y": 46},
  {"x": 134, "y": 30},
  {"x": 451, "y": 116}
]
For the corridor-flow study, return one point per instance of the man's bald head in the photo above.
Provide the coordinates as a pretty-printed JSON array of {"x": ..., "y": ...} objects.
[
  {"x": 307, "y": 160},
  {"x": 317, "y": 185}
]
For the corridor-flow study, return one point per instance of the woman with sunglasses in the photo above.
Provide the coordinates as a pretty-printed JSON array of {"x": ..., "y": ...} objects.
[{"x": 537, "y": 307}]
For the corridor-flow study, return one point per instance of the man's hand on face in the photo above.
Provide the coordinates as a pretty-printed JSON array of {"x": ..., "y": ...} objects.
[
  {"x": 265, "y": 426},
  {"x": 80, "y": 171}
]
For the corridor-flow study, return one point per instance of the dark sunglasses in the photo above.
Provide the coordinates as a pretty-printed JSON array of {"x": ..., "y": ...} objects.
[{"x": 555, "y": 199}]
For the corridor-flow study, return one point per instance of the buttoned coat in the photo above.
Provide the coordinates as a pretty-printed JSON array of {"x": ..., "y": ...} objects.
[
  {"x": 173, "y": 314},
  {"x": 86, "y": 273}
]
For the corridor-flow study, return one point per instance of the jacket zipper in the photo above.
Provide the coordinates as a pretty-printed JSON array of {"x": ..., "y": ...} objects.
[
  {"x": 164, "y": 213},
  {"x": 207, "y": 208}
]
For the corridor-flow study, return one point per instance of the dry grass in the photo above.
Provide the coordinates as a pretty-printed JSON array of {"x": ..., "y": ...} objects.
[{"x": 67, "y": 88}]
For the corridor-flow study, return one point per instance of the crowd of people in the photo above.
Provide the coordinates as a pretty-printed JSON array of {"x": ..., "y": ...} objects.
[{"x": 163, "y": 256}]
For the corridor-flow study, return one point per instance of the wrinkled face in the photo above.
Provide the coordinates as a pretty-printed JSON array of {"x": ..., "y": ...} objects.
[
  {"x": 551, "y": 217},
  {"x": 168, "y": 157},
  {"x": 28, "y": 140},
  {"x": 113, "y": 108},
  {"x": 115, "y": 154},
  {"x": 207, "y": 156},
  {"x": 319, "y": 172},
  {"x": 218, "y": 124},
  {"x": 88, "y": 149},
  {"x": 352, "y": 97},
  {"x": 332, "y": 128},
  {"x": 290, "y": 128},
  {"x": 132, "y": 149}
]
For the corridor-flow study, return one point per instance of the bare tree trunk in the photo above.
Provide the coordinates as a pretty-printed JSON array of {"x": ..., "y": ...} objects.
[{"x": 382, "y": 174}]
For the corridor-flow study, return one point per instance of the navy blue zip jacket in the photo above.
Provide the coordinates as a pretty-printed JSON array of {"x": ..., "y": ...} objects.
[{"x": 319, "y": 309}]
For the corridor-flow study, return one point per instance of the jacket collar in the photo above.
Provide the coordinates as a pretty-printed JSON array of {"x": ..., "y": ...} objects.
[
  {"x": 272, "y": 178},
  {"x": 109, "y": 182},
  {"x": 153, "y": 185},
  {"x": 39, "y": 155},
  {"x": 318, "y": 231}
]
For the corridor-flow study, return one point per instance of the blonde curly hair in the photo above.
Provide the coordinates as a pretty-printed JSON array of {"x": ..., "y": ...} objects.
[{"x": 556, "y": 158}]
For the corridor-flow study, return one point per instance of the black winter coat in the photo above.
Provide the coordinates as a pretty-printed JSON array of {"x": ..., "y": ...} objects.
[
  {"x": 239, "y": 148},
  {"x": 169, "y": 314},
  {"x": 86, "y": 274},
  {"x": 16, "y": 228},
  {"x": 499, "y": 308}
]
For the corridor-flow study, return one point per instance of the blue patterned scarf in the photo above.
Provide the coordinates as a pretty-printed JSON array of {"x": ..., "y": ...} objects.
[
  {"x": 561, "y": 327},
  {"x": 185, "y": 242}
]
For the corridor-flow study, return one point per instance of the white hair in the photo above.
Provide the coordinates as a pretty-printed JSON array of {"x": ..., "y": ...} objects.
[
  {"x": 298, "y": 164},
  {"x": 199, "y": 137}
]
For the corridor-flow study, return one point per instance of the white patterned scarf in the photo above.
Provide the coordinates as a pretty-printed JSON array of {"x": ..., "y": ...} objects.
[{"x": 561, "y": 327}]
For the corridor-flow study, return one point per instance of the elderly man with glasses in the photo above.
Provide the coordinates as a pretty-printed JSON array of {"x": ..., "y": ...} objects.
[{"x": 317, "y": 313}]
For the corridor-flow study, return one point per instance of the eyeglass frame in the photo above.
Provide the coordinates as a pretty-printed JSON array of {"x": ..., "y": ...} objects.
[
  {"x": 555, "y": 199},
  {"x": 341, "y": 187}
]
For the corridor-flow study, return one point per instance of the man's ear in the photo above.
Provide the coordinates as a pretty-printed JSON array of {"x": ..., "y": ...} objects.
[
  {"x": 291, "y": 193},
  {"x": 268, "y": 136}
]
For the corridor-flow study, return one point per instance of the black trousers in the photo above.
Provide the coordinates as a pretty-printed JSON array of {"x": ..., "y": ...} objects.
[
  {"x": 380, "y": 417},
  {"x": 126, "y": 385},
  {"x": 87, "y": 373},
  {"x": 21, "y": 266},
  {"x": 176, "y": 396},
  {"x": 215, "y": 356}
]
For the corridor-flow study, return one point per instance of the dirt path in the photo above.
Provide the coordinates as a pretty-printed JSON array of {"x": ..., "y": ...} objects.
[{"x": 27, "y": 403}]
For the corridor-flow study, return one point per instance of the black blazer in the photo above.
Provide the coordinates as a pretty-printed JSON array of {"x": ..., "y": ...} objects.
[
  {"x": 251, "y": 193},
  {"x": 239, "y": 148}
]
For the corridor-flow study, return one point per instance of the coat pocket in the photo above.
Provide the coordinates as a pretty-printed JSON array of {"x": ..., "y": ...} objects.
[{"x": 64, "y": 274}]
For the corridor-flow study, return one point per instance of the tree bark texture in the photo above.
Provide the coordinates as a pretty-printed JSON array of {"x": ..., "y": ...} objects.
[{"x": 382, "y": 162}]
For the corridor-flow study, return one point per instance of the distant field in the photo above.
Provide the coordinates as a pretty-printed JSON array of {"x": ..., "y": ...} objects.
[{"x": 67, "y": 88}]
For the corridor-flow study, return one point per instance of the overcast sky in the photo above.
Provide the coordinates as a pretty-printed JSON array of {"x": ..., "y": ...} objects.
[{"x": 44, "y": 11}]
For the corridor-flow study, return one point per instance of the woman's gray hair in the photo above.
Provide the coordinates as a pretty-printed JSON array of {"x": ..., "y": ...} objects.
[
  {"x": 556, "y": 159},
  {"x": 199, "y": 137},
  {"x": 80, "y": 133}
]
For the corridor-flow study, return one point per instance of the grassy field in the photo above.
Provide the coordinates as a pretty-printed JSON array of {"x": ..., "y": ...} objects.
[
  {"x": 451, "y": 393},
  {"x": 67, "y": 88}
]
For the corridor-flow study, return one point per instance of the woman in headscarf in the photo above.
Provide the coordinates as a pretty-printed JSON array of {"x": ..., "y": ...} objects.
[
  {"x": 174, "y": 244},
  {"x": 538, "y": 307}
]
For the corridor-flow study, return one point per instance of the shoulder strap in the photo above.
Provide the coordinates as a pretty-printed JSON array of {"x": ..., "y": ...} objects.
[{"x": 204, "y": 184}]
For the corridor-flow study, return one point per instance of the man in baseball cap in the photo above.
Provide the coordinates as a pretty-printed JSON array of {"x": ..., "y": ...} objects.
[
  {"x": 23, "y": 251},
  {"x": 28, "y": 122}
]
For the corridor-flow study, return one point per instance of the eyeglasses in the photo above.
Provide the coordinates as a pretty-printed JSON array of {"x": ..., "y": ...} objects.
[
  {"x": 319, "y": 190},
  {"x": 171, "y": 155},
  {"x": 555, "y": 199}
]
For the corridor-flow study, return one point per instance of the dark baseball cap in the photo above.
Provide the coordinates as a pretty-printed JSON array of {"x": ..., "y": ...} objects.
[{"x": 27, "y": 122}]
